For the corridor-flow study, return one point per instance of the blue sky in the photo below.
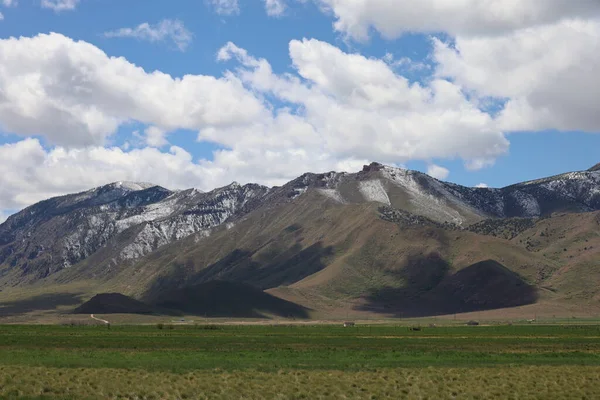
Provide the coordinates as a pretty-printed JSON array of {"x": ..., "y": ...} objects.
[{"x": 533, "y": 129}]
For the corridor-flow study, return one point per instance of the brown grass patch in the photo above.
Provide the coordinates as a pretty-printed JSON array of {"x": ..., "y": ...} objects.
[{"x": 433, "y": 383}]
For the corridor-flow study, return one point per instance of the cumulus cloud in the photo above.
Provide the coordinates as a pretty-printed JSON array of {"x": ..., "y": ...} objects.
[
  {"x": 406, "y": 63},
  {"x": 391, "y": 18},
  {"x": 482, "y": 185},
  {"x": 335, "y": 111},
  {"x": 534, "y": 58},
  {"x": 155, "y": 137},
  {"x": 548, "y": 74},
  {"x": 166, "y": 30},
  {"x": 59, "y": 5},
  {"x": 274, "y": 8},
  {"x": 437, "y": 172},
  {"x": 225, "y": 7},
  {"x": 75, "y": 95},
  {"x": 351, "y": 105},
  {"x": 29, "y": 173}
]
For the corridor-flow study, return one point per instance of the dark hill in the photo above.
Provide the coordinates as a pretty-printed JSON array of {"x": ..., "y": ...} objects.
[
  {"x": 113, "y": 303},
  {"x": 431, "y": 289},
  {"x": 595, "y": 168},
  {"x": 228, "y": 299}
]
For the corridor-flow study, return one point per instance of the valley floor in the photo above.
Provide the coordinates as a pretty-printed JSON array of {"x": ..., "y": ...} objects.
[
  {"x": 300, "y": 361},
  {"x": 55, "y": 305}
]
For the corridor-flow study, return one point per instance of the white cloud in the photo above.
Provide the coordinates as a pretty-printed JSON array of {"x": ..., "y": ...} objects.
[
  {"x": 482, "y": 186},
  {"x": 155, "y": 137},
  {"x": 225, "y": 7},
  {"x": 1, "y": 16},
  {"x": 353, "y": 106},
  {"x": 437, "y": 172},
  {"x": 60, "y": 5},
  {"x": 275, "y": 8},
  {"x": 549, "y": 74},
  {"x": 465, "y": 17},
  {"x": 75, "y": 95},
  {"x": 405, "y": 63},
  {"x": 29, "y": 173},
  {"x": 167, "y": 29},
  {"x": 336, "y": 111}
]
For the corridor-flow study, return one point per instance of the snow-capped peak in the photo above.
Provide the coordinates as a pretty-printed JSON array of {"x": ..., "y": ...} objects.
[{"x": 133, "y": 186}]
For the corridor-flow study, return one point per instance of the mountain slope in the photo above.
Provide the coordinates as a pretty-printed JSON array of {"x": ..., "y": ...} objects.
[
  {"x": 573, "y": 242},
  {"x": 111, "y": 226},
  {"x": 346, "y": 254},
  {"x": 421, "y": 194}
]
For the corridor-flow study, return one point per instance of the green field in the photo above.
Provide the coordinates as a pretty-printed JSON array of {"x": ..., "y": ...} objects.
[{"x": 289, "y": 362}]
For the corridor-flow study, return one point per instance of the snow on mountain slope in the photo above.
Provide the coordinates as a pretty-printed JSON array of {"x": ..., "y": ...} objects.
[
  {"x": 582, "y": 187},
  {"x": 185, "y": 213},
  {"x": 333, "y": 194},
  {"x": 374, "y": 191},
  {"x": 64, "y": 231},
  {"x": 428, "y": 196}
]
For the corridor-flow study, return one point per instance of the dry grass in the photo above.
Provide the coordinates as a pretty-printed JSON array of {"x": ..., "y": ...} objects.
[{"x": 427, "y": 383}]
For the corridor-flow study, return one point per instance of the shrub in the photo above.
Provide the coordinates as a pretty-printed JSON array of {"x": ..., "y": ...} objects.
[{"x": 210, "y": 327}]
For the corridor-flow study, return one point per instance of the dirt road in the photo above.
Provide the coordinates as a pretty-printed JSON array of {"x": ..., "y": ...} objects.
[{"x": 98, "y": 319}]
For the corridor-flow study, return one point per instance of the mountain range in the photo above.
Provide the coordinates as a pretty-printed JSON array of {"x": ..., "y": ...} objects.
[{"x": 384, "y": 241}]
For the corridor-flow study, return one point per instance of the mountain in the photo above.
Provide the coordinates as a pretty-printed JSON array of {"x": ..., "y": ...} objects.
[
  {"x": 113, "y": 224},
  {"x": 383, "y": 239},
  {"x": 423, "y": 195},
  {"x": 323, "y": 255}
]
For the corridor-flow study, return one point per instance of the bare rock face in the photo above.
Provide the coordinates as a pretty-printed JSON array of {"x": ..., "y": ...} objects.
[
  {"x": 373, "y": 167},
  {"x": 130, "y": 219}
]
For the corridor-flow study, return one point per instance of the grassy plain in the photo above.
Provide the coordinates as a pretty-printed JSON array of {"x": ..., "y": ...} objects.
[{"x": 300, "y": 361}]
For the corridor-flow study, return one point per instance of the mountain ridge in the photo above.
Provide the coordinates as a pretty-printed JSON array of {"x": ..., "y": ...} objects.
[
  {"x": 140, "y": 239},
  {"x": 164, "y": 216}
]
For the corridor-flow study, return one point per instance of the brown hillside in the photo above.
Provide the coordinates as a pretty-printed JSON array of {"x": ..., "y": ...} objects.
[
  {"x": 338, "y": 253},
  {"x": 228, "y": 299},
  {"x": 573, "y": 242},
  {"x": 113, "y": 303}
]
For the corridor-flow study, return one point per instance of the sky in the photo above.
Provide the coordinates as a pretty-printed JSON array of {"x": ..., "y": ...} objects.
[{"x": 201, "y": 93}]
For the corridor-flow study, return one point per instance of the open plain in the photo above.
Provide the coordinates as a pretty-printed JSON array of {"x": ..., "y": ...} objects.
[{"x": 298, "y": 361}]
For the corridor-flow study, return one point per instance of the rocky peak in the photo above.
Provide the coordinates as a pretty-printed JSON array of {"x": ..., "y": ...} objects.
[
  {"x": 373, "y": 167},
  {"x": 133, "y": 186}
]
